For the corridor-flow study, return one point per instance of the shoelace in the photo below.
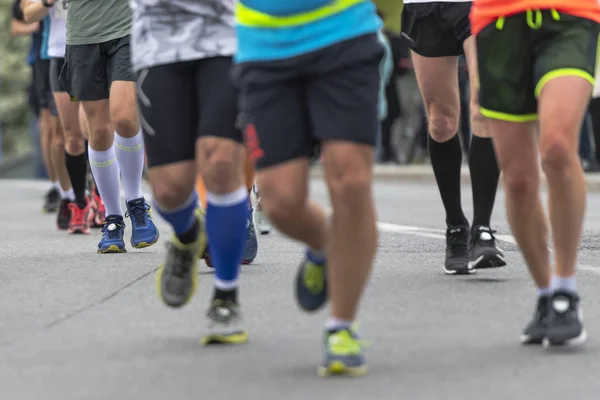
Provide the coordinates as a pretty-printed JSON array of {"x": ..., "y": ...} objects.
[
  {"x": 139, "y": 212},
  {"x": 458, "y": 241},
  {"x": 348, "y": 342},
  {"x": 77, "y": 214}
]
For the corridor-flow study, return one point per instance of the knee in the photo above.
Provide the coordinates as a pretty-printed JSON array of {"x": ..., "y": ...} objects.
[
  {"x": 221, "y": 163},
  {"x": 282, "y": 202},
  {"x": 125, "y": 125},
  {"x": 557, "y": 155},
  {"x": 74, "y": 144},
  {"x": 101, "y": 136},
  {"x": 443, "y": 124},
  {"x": 170, "y": 193},
  {"x": 58, "y": 139},
  {"x": 521, "y": 185},
  {"x": 348, "y": 178}
]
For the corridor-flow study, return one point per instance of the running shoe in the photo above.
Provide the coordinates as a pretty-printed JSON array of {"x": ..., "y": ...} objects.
[
  {"x": 112, "y": 235},
  {"x": 224, "y": 324},
  {"x": 64, "y": 215},
  {"x": 485, "y": 252},
  {"x": 177, "y": 278},
  {"x": 343, "y": 354},
  {"x": 79, "y": 222},
  {"x": 565, "y": 327},
  {"x": 537, "y": 329},
  {"x": 98, "y": 214},
  {"x": 51, "y": 200},
  {"x": 251, "y": 248},
  {"x": 143, "y": 231},
  {"x": 457, "y": 251},
  {"x": 311, "y": 285}
]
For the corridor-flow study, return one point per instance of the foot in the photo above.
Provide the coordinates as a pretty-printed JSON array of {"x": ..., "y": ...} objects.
[
  {"x": 457, "y": 251},
  {"x": 311, "y": 285},
  {"x": 64, "y": 215},
  {"x": 565, "y": 327},
  {"x": 343, "y": 354},
  {"x": 143, "y": 231},
  {"x": 251, "y": 248},
  {"x": 112, "y": 235},
  {"x": 260, "y": 219},
  {"x": 79, "y": 221},
  {"x": 536, "y": 330},
  {"x": 224, "y": 324},
  {"x": 177, "y": 278},
  {"x": 51, "y": 200},
  {"x": 485, "y": 252}
]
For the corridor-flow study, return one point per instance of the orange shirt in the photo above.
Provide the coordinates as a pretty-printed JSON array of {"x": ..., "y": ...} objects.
[{"x": 484, "y": 12}]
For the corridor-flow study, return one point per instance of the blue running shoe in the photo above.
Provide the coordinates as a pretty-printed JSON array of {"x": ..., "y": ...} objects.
[
  {"x": 251, "y": 242},
  {"x": 311, "y": 285},
  {"x": 112, "y": 236},
  {"x": 143, "y": 231},
  {"x": 343, "y": 354}
]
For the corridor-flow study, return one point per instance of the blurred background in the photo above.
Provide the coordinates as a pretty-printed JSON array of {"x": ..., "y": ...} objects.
[{"x": 403, "y": 132}]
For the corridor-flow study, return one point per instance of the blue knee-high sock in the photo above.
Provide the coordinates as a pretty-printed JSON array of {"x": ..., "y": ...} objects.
[
  {"x": 182, "y": 217},
  {"x": 226, "y": 216}
]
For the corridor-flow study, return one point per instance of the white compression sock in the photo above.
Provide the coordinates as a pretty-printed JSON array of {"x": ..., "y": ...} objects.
[
  {"x": 106, "y": 174},
  {"x": 130, "y": 154}
]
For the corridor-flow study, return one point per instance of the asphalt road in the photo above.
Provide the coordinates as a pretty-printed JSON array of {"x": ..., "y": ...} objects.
[{"x": 75, "y": 325}]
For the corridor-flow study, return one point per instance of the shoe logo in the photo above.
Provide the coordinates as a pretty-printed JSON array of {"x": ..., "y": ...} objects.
[
  {"x": 223, "y": 312},
  {"x": 112, "y": 227},
  {"x": 411, "y": 40},
  {"x": 253, "y": 142},
  {"x": 561, "y": 304},
  {"x": 485, "y": 236}
]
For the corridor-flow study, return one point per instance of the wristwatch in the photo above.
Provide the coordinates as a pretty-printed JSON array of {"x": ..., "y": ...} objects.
[{"x": 45, "y": 3}]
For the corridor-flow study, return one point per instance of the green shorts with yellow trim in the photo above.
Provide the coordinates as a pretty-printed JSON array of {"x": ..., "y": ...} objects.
[{"x": 518, "y": 55}]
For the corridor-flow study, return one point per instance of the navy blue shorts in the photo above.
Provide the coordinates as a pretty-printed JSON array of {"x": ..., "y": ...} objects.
[{"x": 330, "y": 94}]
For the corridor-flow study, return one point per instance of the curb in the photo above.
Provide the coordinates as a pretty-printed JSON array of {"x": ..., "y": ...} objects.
[
  {"x": 15, "y": 162},
  {"x": 424, "y": 174}
]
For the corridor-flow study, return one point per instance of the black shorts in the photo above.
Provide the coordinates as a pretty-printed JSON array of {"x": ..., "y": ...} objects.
[
  {"x": 182, "y": 102},
  {"x": 90, "y": 69},
  {"x": 437, "y": 29},
  {"x": 41, "y": 71},
  {"x": 518, "y": 56},
  {"x": 330, "y": 94},
  {"x": 56, "y": 65}
]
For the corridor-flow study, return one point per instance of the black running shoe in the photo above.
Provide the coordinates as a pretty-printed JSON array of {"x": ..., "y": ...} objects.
[
  {"x": 484, "y": 249},
  {"x": 457, "y": 251},
  {"x": 564, "y": 321},
  {"x": 535, "y": 332},
  {"x": 51, "y": 200},
  {"x": 63, "y": 218}
]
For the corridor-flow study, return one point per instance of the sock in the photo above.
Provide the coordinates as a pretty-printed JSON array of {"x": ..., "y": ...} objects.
[
  {"x": 226, "y": 218},
  {"x": 484, "y": 179},
  {"x": 446, "y": 160},
  {"x": 567, "y": 284},
  {"x": 317, "y": 257},
  {"x": 130, "y": 154},
  {"x": 337, "y": 324},
  {"x": 77, "y": 167},
  {"x": 182, "y": 219},
  {"x": 70, "y": 195},
  {"x": 56, "y": 185},
  {"x": 545, "y": 291},
  {"x": 106, "y": 174}
]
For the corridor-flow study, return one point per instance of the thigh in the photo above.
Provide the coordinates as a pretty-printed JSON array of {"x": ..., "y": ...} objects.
[
  {"x": 505, "y": 65},
  {"x": 118, "y": 54},
  {"x": 438, "y": 83},
  {"x": 343, "y": 91},
  {"x": 217, "y": 99},
  {"x": 84, "y": 74},
  {"x": 565, "y": 45},
  {"x": 436, "y": 29},
  {"x": 273, "y": 113},
  {"x": 168, "y": 113}
]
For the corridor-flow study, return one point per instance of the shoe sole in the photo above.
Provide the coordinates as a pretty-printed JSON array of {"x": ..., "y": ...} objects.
[
  {"x": 488, "y": 261},
  {"x": 339, "y": 368},
  {"x": 159, "y": 291},
  {"x": 468, "y": 271},
  {"x": 143, "y": 245},
  {"x": 529, "y": 340},
  {"x": 240, "y": 337},
  {"x": 112, "y": 249},
  {"x": 578, "y": 341}
]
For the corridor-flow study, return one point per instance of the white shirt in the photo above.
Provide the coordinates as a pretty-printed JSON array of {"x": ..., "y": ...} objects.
[{"x": 57, "y": 38}]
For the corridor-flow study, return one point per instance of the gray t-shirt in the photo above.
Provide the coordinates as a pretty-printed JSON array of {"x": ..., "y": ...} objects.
[
  {"x": 97, "y": 21},
  {"x": 171, "y": 31}
]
